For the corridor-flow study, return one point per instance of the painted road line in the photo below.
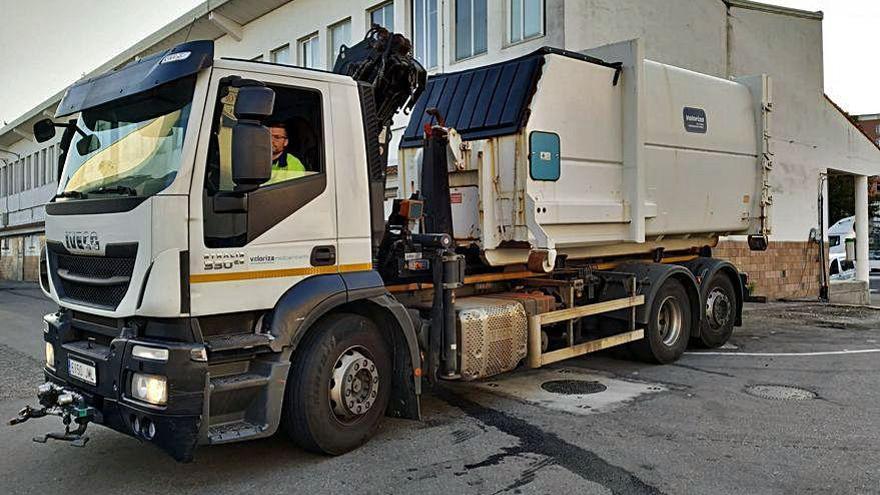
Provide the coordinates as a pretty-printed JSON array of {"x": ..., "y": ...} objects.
[{"x": 785, "y": 354}]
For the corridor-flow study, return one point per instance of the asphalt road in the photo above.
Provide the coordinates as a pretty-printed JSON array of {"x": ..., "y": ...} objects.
[{"x": 689, "y": 427}]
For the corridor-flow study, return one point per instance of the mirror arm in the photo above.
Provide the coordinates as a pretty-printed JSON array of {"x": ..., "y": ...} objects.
[{"x": 71, "y": 125}]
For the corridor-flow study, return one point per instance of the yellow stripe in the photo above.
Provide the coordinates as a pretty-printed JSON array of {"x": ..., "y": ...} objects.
[{"x": 286, "y": 272}]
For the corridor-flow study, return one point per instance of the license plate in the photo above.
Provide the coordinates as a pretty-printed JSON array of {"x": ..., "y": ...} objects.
[{"x": 82, "y": 371}]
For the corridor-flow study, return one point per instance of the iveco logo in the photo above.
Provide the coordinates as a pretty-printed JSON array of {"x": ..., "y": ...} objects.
[{"x": 82, "y": 240}]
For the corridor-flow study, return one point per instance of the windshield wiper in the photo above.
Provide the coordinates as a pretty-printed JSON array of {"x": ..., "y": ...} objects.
[
  {"x": 71, "y": 194},
  {"x": 115, "y": 190}
]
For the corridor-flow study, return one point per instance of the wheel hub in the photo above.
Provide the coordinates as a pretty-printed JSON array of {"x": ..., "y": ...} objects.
[
  {"x": 717, "y": 309},
  {"x": 669, "y": 321},
  {"x": 354, "y": 384}
]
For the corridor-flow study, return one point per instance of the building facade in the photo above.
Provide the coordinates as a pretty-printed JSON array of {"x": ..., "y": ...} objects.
[
  {"x": 811, "y": 136},
  {"x": 870, "y": 125}
]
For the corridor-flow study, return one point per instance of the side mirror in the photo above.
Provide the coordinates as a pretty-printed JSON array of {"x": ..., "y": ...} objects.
[
  {"x": 251, "y": 140},
  {"x": 254, "y": 102},
  {"x": 87, "y": 144},
  {"x": 44, "y": 130}
]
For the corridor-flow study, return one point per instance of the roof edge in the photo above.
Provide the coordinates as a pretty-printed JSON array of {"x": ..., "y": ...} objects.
[
  {"x": 848, "y": 118},
  {"x": 775, "y": 9}
]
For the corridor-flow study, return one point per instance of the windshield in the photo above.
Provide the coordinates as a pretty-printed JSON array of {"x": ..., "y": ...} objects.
[{"x": 132, "y": 146}]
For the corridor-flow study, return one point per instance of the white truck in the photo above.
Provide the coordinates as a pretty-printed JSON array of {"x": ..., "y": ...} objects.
[{"x": 552, "y": 205}]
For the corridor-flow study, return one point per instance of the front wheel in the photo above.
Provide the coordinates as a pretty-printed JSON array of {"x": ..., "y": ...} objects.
[
  {"x": 669, "y": 325},
  {"x": 339, "y": 385}
]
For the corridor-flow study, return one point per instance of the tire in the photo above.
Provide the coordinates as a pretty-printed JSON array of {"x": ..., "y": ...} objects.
[
  {"x": 669, "y": 325},
  {"x": 337, "y": 347},
  {"x": 717, "y": 326}
]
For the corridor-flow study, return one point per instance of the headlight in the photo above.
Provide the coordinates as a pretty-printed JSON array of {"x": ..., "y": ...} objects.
[
  {"x": 151, "y": 353},
  {"x": 45, "y": 326},
  {"x": 50, "y": 356},
  {"x": 149, "y": 388}
]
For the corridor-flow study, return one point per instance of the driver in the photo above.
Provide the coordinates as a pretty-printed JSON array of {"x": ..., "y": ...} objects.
[{"x": 285, "y": 166}]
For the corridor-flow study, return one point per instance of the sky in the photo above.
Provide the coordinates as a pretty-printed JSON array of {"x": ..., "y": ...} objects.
[{"x": 45, "y": 45}]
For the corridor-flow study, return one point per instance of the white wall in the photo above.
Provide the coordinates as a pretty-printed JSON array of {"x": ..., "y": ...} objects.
[
  {"x": 26, "y": 206},
  {"x": 810, "y": 136},
  {"x": 685, "y": 33}
]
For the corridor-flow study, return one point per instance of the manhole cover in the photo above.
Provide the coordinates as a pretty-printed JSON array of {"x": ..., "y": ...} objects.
[
  {"x": 780, "y": 392},
  {"x": 573, "y": 387}
]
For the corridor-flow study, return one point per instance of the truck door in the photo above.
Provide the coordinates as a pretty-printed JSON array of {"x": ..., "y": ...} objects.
[{"x": 245, "y": 252}]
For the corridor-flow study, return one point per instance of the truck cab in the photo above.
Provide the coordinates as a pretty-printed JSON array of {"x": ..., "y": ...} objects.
[{"x": 151, "y": 233}]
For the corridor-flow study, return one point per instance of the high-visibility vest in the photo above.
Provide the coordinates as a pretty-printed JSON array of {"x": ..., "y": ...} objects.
[{"x": 286, "y": 167}]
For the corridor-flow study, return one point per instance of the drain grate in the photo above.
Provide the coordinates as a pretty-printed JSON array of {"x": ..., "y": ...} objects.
[
  {"x": 780, "y": 392},
  {"x": 573, "y": 387}
]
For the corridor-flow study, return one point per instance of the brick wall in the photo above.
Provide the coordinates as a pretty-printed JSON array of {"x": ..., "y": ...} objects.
[
  {"x": 870, "y": 127},
  {"x": 787, "y": 270}
]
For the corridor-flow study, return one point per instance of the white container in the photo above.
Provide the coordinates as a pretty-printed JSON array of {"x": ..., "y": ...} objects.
[{"x": 666, "y": 158}]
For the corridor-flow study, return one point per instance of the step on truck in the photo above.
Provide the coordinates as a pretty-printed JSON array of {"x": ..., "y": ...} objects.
[{"x": 226, "y": 264}]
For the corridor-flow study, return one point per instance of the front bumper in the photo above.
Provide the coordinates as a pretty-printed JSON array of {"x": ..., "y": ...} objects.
[{"x": 176, "y": 427}]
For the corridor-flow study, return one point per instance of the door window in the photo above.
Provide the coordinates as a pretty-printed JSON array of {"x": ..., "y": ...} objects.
[{"x": 298, "y": 170}]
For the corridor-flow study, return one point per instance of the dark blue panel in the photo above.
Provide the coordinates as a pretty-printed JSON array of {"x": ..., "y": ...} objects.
[
  {"x": 456, "y": 106},
  {"x": 433, "y": 99},
  {"x": 482, "y": 102},
  {"x": 470, "y": 101},
  {"x": 446, "y": 98},
  {"x": 481, "y": 110},
  {"x": 485, "y": 101},
  {"x": 502, "y": 90},
  {"x": 149, "y": 72},
  {"x": 520, "y": 89}
]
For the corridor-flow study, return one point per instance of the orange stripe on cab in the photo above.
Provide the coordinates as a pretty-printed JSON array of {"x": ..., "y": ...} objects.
[{"x": 201, "y": 278}]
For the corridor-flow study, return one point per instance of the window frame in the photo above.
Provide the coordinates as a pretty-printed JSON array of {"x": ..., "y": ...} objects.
[
  {"x": 332, "y": 54},
  {"x": 28, "y": 173},
  {"x": 36, "y": 170},
  {"x": 426, "y": 35},
  {"x": 43, "y": 154},
  {"x": 51, "y": 162},
  {"x": 473, "y": 53},
  {"x": 381, "y": 6},
  {"x": 305, "y": 41},
  {"x": 269, "y": 204},
  {"x": 274, "y": 51},
  {"x": 508, "y": 21}
]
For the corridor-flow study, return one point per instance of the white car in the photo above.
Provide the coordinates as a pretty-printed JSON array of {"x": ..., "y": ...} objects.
[{"x": 838, "y": 267}]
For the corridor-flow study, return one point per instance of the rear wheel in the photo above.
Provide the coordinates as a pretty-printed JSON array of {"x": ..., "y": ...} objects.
[
  {"x": 339, "y": 385},
  {"x": 717, "y": 326},
  {"x": 669, "y": 325}
]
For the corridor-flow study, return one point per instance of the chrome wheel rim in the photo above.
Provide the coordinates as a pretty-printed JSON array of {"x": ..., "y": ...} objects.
[
  {"x": 669, "y": 320},
  {"x": 718, "y": 308},
  {"x": 354, "y": 384}
]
